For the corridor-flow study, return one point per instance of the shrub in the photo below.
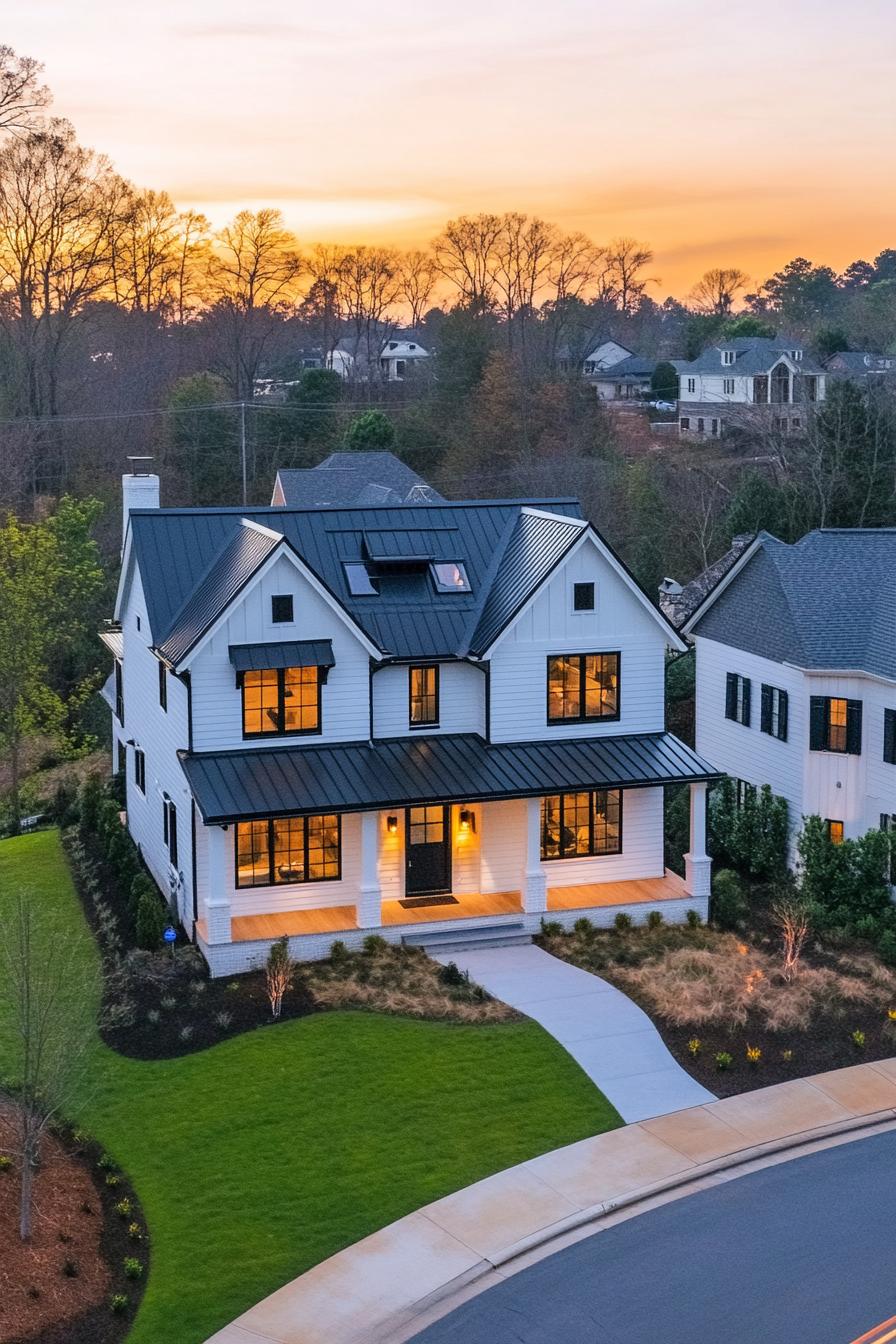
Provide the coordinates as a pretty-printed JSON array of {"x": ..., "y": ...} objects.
[
  {"x": 152, "y": 1016},
  {"x": 278, "y": 973},
  {"x": 133, "y": 1268},
  {"x": 373, "y": 944},
  {"x": 886, "y": 947},
  {"x": 168, "y": 1001},
  {"x": 451, "y": 974},
  {"x": 693, "y": 919},
  {"x": 623, "y": 922},
  {"x": 140, "y": 884},
  {"x": 106, "y": 1163},
  {"x": 729, "y": 905},
  {"x": 551, "y": 928},
  {"x": 787, "y": 1056},
  {"x": 723, "y": 1061},
  {"x": 339, "y": 953},
  {"x": 150, "y": 921},
  {"x": 654, "y": 919},
  {"x": 186, "y": 1032},
  {"x": 135, "y": 1232},
  {"x": 754, "y": 1055},
  {"x": 112, "y": 1180},
  {"x": 223, "y": 1019},
  {"x": 233, "y": 986},
  {"x": 118, "y": 1303},
  {"x": 846, "y": 883},
  {"x": 124, "y": 1208},
  {"x": 694, "y": 1046},
  {"x": 583, "y": 926},
  {"x": 90, "y": 795},
  {"x": 858, "y": 1039},
  {"x": 752, "y": 837}
]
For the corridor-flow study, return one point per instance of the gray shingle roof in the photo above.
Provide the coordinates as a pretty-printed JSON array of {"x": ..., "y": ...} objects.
[
  {"x": 754, "y": 354},
  {"x": 357, "y": 776},
  {"x": 824, "y": 602},
  {"x": 345, "y": 479},
  {"x": 633, "y": 366},
  {"x": 860, "y": 363},
  {"x": 194, "y": 561}
]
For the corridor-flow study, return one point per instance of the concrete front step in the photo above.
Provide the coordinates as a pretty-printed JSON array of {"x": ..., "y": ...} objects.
[{"x": 458, "y": 940}]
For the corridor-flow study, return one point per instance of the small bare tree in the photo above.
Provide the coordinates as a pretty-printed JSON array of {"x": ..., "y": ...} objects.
[
  {"x": 22, "y": 96},
  {"x": 792, "y": 919},
  {"x": 50, "y": 999},
  {"x": 278, "y": 974}
]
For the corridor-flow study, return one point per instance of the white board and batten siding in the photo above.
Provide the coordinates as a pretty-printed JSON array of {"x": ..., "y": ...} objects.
[
  {"x": 217, "y": 700},
  {"x": 159, "y": 734},
  {"x": 461, "y": 701},
  {"x": 549, "y": 625}
]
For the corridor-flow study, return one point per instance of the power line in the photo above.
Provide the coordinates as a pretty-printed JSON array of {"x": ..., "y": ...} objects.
[{"x": 320, "y": 408}]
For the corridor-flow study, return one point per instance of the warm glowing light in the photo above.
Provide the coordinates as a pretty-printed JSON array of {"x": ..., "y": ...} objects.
[
  {"x": 392, "y": 825},
  {"x": 466, "y": 821},
  {"x": 742, "y": 949}
]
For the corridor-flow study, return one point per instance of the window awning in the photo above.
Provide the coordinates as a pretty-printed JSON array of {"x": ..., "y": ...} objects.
[
  {"x": 295, "y": 653},
  {"x": 360, "y": 776}
]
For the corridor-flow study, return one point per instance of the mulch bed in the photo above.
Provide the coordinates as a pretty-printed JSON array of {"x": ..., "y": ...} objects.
[{"x": 76, "y": 1229}]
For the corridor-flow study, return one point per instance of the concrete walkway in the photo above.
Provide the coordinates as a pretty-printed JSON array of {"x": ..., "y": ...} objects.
[
  {"x": 612, "y": 1039},
  {"x": 386, "y": 1288}
]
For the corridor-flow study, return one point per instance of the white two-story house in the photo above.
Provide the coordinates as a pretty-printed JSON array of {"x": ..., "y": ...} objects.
[
  {"x": 749, "y": 383},
  {"x": 796, "y": 675},
  {"x": 406, "y": 719}
]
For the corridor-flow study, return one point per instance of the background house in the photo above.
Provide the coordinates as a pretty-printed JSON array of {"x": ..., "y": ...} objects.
[
  {"x": 352, "y": 478},
  {"x": 796, "y": 675},
  {"x": 749, "y": 382},
  {"x": 860, "y": 364}
]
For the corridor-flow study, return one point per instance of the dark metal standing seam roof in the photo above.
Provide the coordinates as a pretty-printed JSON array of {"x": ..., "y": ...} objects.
[
  {"x": 298, "y": 653},
  {"x": 358, "y": 776}
]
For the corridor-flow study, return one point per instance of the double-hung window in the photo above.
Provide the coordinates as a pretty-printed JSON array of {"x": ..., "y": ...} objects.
[
  {"x": 835, "y": 831},
  {"x": 169, "y": 829},
  {"x": 574, "y": 825},
  {"x": 835, "y": 724},
  {"x": 737, "y": 698},
  {"x": 281, "y": 700},
  {"x": 140, "y": 769},
  {"x": 890, "y": 736},
  {"x": 119, "y": 693},
  {"x": 423, "y": 695},
  {"x": 773, "y": 712},
  {"x": 163, "y": 686},
  {"x": 281, "y": 850},
  {"x": 583, "y": 687}
]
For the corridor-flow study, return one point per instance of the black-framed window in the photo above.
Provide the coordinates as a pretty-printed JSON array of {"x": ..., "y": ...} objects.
[
  {"x": 140, "y": 769},
  {"x": 277, "y": 851},
  {"x": 119, "y": 693},
  {"x": 737, "y": 698},
  {"x": 169, "y": 829},
  {"x": 163, "y": 686},
  {"x": 835, "y": 724},
  {"x": 744, "y": 793},
  {"x": 835, "y": 831},
  {"x": 583, "y": 687},
  {"x": 281, "y": 700},
  {"x": 773, "y": 712},
  {"x": 423, "y": 695},
  {"x": 576, "y": 825},
  {"x": 281, "y": 608},
  {"x": 583, "y": 597},
  {"x": 890, "y": 736},
  {"x": 121, "y": 762}
]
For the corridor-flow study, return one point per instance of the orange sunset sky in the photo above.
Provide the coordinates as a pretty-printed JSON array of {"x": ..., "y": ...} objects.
[{"x": 719, "y": 132}]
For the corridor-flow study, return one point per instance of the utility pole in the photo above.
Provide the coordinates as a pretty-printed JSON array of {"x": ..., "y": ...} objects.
[{"x": 243, "y": 447}]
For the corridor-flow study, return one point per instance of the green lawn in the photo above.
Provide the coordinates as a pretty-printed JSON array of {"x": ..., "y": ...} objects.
[{"x": 260, "y": 1157}]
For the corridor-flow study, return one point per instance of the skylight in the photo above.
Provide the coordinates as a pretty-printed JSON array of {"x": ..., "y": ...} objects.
[
  {"x": 450, "y": 576},
  {"x": 360, "y": 584}
]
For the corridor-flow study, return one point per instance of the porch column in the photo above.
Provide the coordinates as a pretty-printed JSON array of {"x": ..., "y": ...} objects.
[
  {"x": 217, "y": 896},
  {"x": 369, "y": 906},
  {"x": 697, "y": 862},
  {"x": 535, "y": 886}
]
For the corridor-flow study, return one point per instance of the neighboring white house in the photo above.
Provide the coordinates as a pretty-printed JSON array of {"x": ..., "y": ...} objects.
[
  {"x": 796, "y": 675},
  {"x": 396, "y": 361},
  {"x": 604, "y": 356},
  {"x": 749, "y": 382},
  {"x": 413, "y": 719}
]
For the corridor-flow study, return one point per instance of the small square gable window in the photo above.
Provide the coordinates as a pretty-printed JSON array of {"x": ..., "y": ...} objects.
[
  {"x": 281, "y": 608},
  {"x": 583, "y": 597}
]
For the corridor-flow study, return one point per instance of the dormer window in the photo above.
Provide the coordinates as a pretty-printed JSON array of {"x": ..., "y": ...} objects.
[
  {"x": 360, "y": 584},
  {"x": 727, "y": 356},
  {"x": 449, "y": 576},
  {"x": 796, "y": 355}
]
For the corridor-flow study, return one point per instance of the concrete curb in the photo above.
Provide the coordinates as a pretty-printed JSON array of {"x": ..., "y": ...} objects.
[{"x": 388, "y": 1287}]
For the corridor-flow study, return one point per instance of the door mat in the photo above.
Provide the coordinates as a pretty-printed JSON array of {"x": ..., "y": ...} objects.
[{"x": 417, "y": 902}]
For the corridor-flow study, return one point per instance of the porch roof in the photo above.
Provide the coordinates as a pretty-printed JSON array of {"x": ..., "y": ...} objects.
[{"x": 397, "y": 772}]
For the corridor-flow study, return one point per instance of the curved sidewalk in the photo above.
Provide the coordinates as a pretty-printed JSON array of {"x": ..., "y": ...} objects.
[
  {"x": 389, "y": 1286},
  {"x": 608, "y": 1035}
]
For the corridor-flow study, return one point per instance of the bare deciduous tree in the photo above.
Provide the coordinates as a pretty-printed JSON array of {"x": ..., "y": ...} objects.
[
  {"x": 626, "y": 259},
  {"x": 792, "y": 919},
  {"x": 717, "y": 289},
  {"x": 418, "y": 276},
  {"x": 50, "y": 999},
  {"x": 464, "y": 252},
  {"x": 22, "y": 96},
  {"x": 279, "y": 972}
]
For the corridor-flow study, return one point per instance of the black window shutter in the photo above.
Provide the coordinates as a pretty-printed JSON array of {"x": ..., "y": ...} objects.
[
  {"x": 730, "y": 696},
  {"x": 765, "y": 709},
  {"x": 890, "y": 736},
  {"x": 782, "y": 715},
  {"x": 854, "y": 727},
  {"x": 745, "y": 716},
  {"x": 818, "y": 715}
]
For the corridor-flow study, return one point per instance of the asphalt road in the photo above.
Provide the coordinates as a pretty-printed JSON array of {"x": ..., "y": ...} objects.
[{"x": 800, "y": 1253}]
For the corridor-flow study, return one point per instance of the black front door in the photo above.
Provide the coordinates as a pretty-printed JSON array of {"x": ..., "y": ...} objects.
[{"x": 427, "y": 851}]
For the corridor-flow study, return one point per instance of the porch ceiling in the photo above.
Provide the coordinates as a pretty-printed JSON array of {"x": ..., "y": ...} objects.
[{"x": 364, "y": 776}]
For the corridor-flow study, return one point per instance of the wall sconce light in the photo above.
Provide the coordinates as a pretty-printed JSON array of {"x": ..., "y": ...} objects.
[
  {"x": 467, "y": 821},
  {"x": 392, "y": 825}
]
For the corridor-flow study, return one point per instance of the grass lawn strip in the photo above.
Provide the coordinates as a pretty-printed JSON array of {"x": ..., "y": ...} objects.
[{"x": 258, "y": 1158}]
